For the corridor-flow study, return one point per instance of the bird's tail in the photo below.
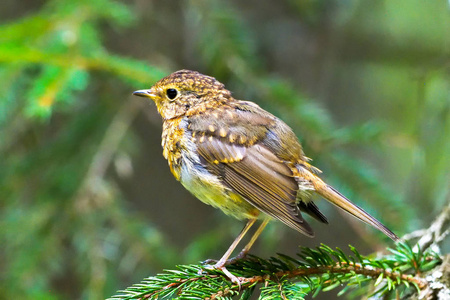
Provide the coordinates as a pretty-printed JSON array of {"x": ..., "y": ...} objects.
[{"x": 332, "y": 195}]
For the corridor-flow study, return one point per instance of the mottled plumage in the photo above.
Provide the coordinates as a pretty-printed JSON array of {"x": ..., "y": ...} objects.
[{"x": 235, "y": 156}]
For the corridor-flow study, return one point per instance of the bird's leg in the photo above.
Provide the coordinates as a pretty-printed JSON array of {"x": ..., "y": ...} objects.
[
  {"x": 220, "y": 265},
  {"x": 223, "y": 261},
  {"x": 247, "y": 247}
]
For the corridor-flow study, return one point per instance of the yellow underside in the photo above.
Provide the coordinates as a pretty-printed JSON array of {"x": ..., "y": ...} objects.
[{"x": 212, "y": 192}]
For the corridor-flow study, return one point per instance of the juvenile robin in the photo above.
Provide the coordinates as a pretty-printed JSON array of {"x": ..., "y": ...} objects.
[{"x": 235, "y": 156}]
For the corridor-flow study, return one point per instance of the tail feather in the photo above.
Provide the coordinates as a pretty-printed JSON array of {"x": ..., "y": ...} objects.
[
  {"x": 311, "y": 209},
  {"x": 332, "y": 195}
]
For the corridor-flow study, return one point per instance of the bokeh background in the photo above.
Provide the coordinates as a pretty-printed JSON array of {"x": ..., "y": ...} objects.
[{"x": 87, "y": 203}]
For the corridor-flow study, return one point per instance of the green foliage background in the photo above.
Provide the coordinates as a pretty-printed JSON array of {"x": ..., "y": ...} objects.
[{"x": 87, "y": 204}]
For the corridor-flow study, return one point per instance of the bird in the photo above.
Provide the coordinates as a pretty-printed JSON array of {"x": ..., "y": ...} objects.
[{"x": 236, "y": 156}]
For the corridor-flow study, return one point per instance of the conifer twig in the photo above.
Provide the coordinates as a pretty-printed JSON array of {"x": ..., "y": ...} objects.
[{"x": 318, "y": 269}]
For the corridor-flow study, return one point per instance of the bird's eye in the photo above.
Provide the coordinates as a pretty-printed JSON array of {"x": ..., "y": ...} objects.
[{"x": 171, "y": 93}]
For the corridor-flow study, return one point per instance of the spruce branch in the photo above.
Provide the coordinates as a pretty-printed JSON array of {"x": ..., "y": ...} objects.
[{"x": 287, "y": 277}]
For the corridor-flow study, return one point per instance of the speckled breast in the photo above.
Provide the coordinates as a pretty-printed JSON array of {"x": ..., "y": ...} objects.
[{"x": 173, "y": 144}]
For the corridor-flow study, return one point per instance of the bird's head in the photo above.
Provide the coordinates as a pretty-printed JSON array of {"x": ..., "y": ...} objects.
[{"x": 185, "y": 92}]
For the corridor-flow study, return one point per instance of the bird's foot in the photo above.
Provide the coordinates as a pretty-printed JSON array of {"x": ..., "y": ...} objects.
[
  {"x": 209, "y": 261},
  {"x": 229, "y": 261},
  {"x": 233, "y": 278},
  {"x": 221, "y": 267}
]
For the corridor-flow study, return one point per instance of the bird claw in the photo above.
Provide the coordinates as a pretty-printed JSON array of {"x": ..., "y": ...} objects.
[
  {"x": 229, "y": 261},
  {"x": 209, "y": 261},
  {"x": 223, "y": 269},
  {"x": 233, "y": 278}
]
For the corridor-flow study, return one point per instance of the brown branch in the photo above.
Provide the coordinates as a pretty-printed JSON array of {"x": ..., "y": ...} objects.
[
  {"x": 338, "y": 268},
  {"x": 341, "y": 268}
]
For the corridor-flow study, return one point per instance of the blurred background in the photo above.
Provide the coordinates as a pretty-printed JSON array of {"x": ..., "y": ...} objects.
[{"x": 87, "y": 202}]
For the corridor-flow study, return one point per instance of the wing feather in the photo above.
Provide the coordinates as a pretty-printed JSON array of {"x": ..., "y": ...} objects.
[{"x": 258, "y": 176}]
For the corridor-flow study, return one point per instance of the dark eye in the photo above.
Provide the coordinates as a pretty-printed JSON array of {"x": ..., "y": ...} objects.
[{"x": 171, "y": 93}]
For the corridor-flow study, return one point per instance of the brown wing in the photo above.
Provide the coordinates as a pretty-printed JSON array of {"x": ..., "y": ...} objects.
[{"x": 251, "y": 170}]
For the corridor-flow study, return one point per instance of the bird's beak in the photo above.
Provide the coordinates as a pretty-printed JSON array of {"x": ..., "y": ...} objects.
[{"x": 144, "y": 93}]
